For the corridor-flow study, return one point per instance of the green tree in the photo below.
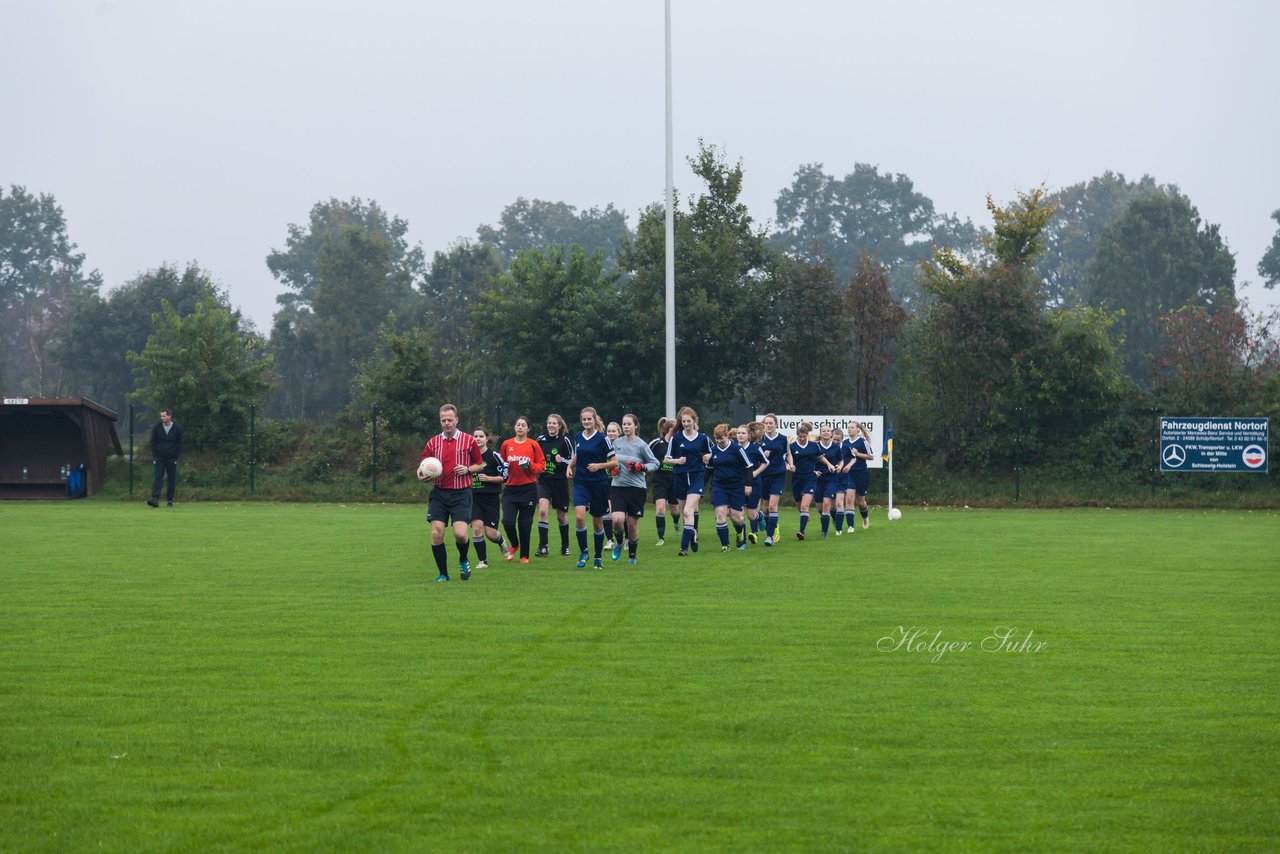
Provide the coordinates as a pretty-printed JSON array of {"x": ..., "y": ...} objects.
[
  {"x": 403, "y": 380},
  {"x": 986, "y": 362},
  {"x": 207, "y": 369},
  {"x": 1074, "y": 394},
  {"x": 452, "y": 290},
  {"x": 865, "y": 211},
  {"x": 1269, "y": 266},
  {"x": 526, "y": 225},
  {"x": 808, "y": 341},
  {"x": 297, "y": 267},
  {"x": 557, "y": 336},
  {"x": 1071, "y": 238},
  {"x": 41, "y": 278},
  {"x": 348, "y": 270},
  {"x": 1224, "y": 360},
  {"x": 727, "y": 291},
  {"x": 973, "y": 342},
  {"x": 877, "y": 321},
  {"x": 101, "y": 330},
  {"x": 1157, "y": 257}
]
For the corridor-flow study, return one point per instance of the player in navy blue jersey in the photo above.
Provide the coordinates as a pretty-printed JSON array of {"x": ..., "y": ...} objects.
[
  {"x": 730, "y": 465},
  {"x": 777, "y": 450},
  {"x": 749, "y": 438},
  {"x": 662, "y": 503},
  {"x": 688, "y": 451},
  {"x": 859, "y": 478},
  {"x": 553, "y": 484},
  {"x": 828, "y": 475},
  {"x": 806, "y": 457},
  {"x": 589, "y": 470},
  {"x": 841, "y": 479}
]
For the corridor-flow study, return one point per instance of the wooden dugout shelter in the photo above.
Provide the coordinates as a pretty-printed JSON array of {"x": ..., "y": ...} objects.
[{"x": 44, "y": 434}]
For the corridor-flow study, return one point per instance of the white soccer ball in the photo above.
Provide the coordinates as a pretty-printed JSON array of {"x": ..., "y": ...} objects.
[
  {"x": 894, "y": 514},
  {"x": 429, "y": 469}
]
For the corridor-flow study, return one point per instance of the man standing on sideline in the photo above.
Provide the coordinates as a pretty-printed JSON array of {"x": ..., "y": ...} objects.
[
  {"x": 460, "y": 458},
  {"x": 166, "y": 447}
]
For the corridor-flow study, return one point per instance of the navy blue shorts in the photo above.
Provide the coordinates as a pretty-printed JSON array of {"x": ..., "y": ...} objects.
[
  {"x": 688, "y": 483},
  {"x": 831, "y": 486},
  {"x": 752, "y": 501},
  {"x": 803, "y": 484},
  {"x": 859, "y": 480},
  {"x": 593, "y": 495},
  {"x": 771, "y": 484},
  {"x": 732, "y": 496}
]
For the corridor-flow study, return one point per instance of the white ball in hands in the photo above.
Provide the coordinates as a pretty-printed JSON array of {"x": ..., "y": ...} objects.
[{"x": 429, "y": 469}]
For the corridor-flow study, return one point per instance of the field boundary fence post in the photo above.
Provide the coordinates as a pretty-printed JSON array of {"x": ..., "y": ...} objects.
[
  {"x": 373, "y": 466},
  {"x": 131, "y": 449},
  {"x": 1155, "y": 449},
  {"x": 253, "y": 445},
  {"x": 1017, "y": 454}
]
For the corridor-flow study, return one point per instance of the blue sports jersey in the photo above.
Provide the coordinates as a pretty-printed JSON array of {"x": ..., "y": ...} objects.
[
  {"x": 805, "y": 458},
  {"x": 691, "y": 449},
  {"x": 586, "y": 451},
  {"x": 729, "y": 465},
  {"x": 832, "y": 453},
  {"x": 757, "y": 458},
  {"x": 775, "y": 450},
  {"x": 846, "y": 451},
  {"x": 859, "y": 444}
]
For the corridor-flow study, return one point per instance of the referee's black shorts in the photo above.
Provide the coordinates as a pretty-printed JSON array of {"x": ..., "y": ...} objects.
[{"x": 446, "y": 503}]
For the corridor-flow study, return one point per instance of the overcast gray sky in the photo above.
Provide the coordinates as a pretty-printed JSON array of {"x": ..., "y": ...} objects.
[{"x": 175, "y": 131}]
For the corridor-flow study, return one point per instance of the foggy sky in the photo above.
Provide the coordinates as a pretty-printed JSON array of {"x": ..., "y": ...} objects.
[{"x": 172, "y": 132}]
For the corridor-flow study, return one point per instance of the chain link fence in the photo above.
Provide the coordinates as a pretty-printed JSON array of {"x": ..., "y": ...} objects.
[{"x": 356, "y": 456}]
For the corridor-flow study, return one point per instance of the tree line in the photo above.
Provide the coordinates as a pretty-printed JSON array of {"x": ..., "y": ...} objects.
[{"x": 1067, "y": 313}]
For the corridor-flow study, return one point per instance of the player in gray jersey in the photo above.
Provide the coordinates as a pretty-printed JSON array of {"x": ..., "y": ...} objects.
[{"x": 627, "y": 493}]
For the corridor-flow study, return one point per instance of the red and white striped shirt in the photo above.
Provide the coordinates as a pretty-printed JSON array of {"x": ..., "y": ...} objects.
[{"x": 460, "y": 450}]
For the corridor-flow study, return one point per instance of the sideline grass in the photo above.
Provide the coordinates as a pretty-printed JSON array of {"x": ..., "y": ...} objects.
[{"x": 259, "y": 676}]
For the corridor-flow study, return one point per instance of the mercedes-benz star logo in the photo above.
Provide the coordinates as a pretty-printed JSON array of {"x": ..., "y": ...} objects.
[{"x": 1174, "y": 456}]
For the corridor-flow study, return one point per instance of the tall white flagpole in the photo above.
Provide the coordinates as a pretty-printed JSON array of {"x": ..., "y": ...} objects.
[
  {"x": 671, "y": 241},
  {"x": 890, "y": 478}
]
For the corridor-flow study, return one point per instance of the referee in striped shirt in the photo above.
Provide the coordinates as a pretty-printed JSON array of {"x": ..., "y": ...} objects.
[{"x": 460, "y": 457}]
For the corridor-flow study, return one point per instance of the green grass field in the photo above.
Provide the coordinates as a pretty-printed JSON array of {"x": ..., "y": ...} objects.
[{"x": 221, "y": 677}]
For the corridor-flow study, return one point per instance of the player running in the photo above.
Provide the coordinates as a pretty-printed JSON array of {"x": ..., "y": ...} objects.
[
  {"x": 525, "y": 462},
  {"x": 662, "y": 478},
  {"x": 486, "y": 492},
  {"x": 689, "y": 451},
  {"x": 627, "y": 493},
  {"x": 829, "y": 475},
  {"x": 729, "y": 465},
  {"x": 553, "y": 485},
  {"x": 589, "y": 469},
  {"x": 777, "y": 450},
  {"x": 859, "y": 478}
]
